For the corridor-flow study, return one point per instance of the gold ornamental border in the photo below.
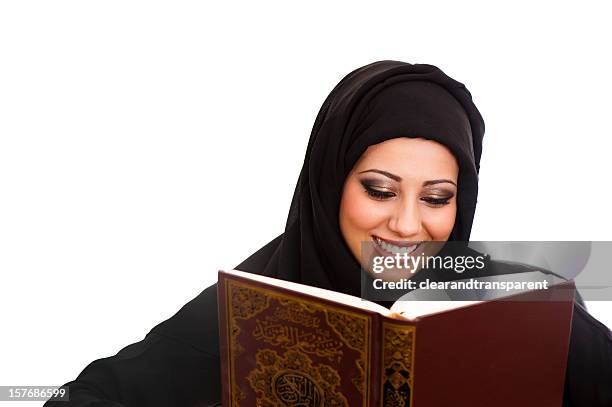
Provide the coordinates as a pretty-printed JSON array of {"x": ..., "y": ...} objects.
[
  {"x": 274, "y": 294},
  {"x": 401, "y": 328}
]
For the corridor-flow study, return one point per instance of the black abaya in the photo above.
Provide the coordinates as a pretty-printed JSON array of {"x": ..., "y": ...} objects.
[{"x": 177, "y": 364}]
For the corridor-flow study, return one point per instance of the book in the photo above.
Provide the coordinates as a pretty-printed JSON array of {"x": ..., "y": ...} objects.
[{"x": 288, "y": 344}]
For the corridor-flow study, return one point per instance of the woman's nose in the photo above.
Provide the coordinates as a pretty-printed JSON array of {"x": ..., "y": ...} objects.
[{"x": 406, "y": 219}]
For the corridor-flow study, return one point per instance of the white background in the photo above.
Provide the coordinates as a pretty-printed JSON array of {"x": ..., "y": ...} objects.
[{"x": 145, "y": 145}]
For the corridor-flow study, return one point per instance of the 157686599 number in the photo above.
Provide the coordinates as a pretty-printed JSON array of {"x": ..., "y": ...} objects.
[{"x": 33, "y": 393}]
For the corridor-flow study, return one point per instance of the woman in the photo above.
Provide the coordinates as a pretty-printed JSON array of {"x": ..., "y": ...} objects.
[{"x": 393, "y": 155}]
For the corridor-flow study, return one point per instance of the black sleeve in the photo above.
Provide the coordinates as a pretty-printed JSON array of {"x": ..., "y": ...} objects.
[
  {"x": 157, "y": 371},
  {"x": 589, "y": 364},
  {"x": 177, "y": 364}
]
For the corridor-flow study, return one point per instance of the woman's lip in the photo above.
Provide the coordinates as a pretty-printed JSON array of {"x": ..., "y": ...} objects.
[
  {"x": 399, "y": 243},
  {"x": 384, "y": 252}
]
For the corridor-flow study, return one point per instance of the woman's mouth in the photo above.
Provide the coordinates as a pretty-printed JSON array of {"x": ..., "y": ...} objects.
[{"x": 394, "y": 247}]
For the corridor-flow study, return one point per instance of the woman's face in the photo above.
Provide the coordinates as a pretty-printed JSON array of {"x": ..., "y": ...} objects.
[{"x": 400, "y": 193}]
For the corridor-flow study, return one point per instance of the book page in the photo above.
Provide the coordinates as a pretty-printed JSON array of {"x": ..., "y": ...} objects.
[
  {"x": 406, "y": 309},
  {"x": 330, "y": 295},
  {"x": 422, "y": 302}
]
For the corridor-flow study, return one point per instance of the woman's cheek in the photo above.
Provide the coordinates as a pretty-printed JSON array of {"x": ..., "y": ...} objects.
[
  {"x": 440, "y": 221},
  {"x": 365, "y": 213}
]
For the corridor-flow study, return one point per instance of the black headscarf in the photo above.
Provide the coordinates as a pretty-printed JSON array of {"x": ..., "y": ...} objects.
[{"x": 377, "y": 102}]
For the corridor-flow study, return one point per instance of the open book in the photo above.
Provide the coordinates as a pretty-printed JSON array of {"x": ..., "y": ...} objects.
[{"x": 288, "y": 344}]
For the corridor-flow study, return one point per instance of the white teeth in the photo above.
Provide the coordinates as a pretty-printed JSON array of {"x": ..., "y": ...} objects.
[{"x": 393, "y": 248}]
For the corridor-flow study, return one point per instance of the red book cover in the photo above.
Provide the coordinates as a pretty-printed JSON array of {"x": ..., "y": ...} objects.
[{"x": 286, "y": 344}]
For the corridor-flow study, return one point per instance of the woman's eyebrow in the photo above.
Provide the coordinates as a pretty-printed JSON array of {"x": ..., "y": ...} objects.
[
  {"x": 398, "y": 178},
  {"x": 385, "y": 173},
  {"x": 438, "y": 181}
]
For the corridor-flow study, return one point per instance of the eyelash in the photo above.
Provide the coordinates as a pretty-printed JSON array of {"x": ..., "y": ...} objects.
[
  {"x": 378, "y": 195},
  {"x": 383, "y": 195},
  {"x": 437, "y": 201}
]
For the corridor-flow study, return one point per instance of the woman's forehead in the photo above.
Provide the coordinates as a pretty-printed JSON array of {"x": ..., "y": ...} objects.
[{"x": 416, "y": 157}]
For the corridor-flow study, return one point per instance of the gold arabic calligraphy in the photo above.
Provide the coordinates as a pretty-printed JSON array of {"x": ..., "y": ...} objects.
[{"x": 316, "y": 342}]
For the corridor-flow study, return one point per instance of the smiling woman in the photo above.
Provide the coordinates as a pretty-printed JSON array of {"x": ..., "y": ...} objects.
[
  {"x": 400, "y": 193},
  {"x": 393, "y": 159}
]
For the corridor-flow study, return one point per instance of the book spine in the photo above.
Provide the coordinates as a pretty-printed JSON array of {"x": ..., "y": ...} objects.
[
  {"x": 396, "y": 372},
  {"x": 375, "y": 368}
]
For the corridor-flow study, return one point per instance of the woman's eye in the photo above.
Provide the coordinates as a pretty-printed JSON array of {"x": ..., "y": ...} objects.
[
  {"x": 378, "y": 194},
  {"x": 436, "y": 201}
]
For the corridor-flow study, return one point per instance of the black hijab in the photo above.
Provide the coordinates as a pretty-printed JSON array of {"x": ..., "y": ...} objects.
[{"x": 374, "y": 103}]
